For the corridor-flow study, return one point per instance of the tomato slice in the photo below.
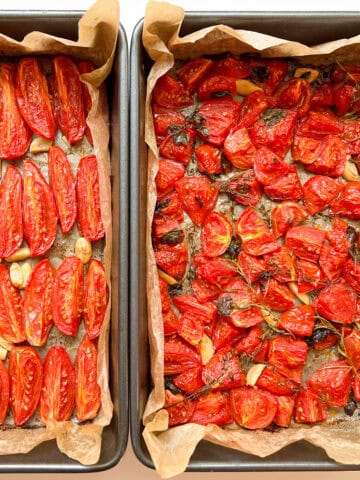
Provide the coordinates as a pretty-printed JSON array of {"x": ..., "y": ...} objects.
[
  {"x": 286, "y": 215},
  {"x": 309, "y": 408},
  {"x": 67, "y": 295},
  {"x": 252, "y": 408},
  {"x": 179, "y": 356},
  {"x": 275, "y": 295},
  {"x": 33, "y": 98},
  {"x": 309, "y": 275},
  {"x": 224, "y": 370},
  {"x": 351, "y": 273},
  {"x": 208, "y": 159},
  {"x": 343, "y": 96},
  {"x": 39, "y": 211},
  {"x": 168, "y": 173},
  {"x": 318, "y": 124},
  {"x": 298, "y": 320},
  {"x": 193, "y": 71},
  {"x": 232, "y": 67},
  {"x": 26, "y": 375},
  {"x": 11, "y": 222},
  {"x": 4, "y": 392},
  {"x": 86, "y": 67},
  {"x": 203, "y": 290},
  {"x": 15, "y": 135},
  {"x": 87, "y": 390},
  {"x": 190, "y": 328},
  {"x": 330, "y": 157},
  {"x": 348, "y": 202},
  {"x": 284, "y": 411},
  {"x": 171, "y": 323},
  {"x": 215, "y": 234},
  {"x": 62, "y": 182},
  {"x": 239, "y": 148},
  {"x": 215, "y": 271},
  {"x": 294, "y": 94},
  {"x": 186, "y": 303},
  {"x": 288, "y": 356},
  {"x": 172, "y": 259},
  {"x": 37, "y": 311},
  {"x": 279, "y": 265},
  {"x": 69, "y": 110},
  {"x": 268, "y": 166},
  {"x": 12, "y": 327},
  {"x": 171, "y": 93},
  {"x": 57, "y": 397},
  {"x": 304, "y": 149},
  {"x": 225, "y": 333},
  {"x": 251, "y": 267},
  {"x": 305, "y": 242},
  {"x": 251, "y": 108},
  {"x": 95, "y": 299},
  {"x": 319, "y": 191},
  {"x": 179, "y": 145},
  {"x": 251, "y": 342},
  {"x": 337, "y": 302},
  {"x": 216, "y": 85},
  {"x": 212, "y": 408},
  {"x": 89, "y": 220},
  {"x": 179, "y": 408}
]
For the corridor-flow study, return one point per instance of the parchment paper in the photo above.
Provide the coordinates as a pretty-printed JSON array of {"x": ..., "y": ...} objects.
[
  {"x": 97, "y": 37},
  {"x": 172, "y": 448}
]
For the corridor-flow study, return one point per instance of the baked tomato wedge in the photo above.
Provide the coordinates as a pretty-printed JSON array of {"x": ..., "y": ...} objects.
[
  {"x": 232, "y": 67},
  {"x": 203, "y": 290},
  {"x": 279, "y": 265},
  {"x": 190, "y": 328},
  {"x": 11, "y": 222},
  {"x": 168, "y": 173},
  {"x": 352, "y": 348},
  {"x": 303, "y": 149},
  {"x": 15, "y": 135},
  {"x": 215, "y": 234},
  {"x": 189, "y": 381},
  {"x": 330, "y": 157},
  {"x": 165, "y": 119},
  {"x": 288, "y": 355},
  {"x": 215, "y": 271},
  {"x": 336, "y": 302},
  {"x": 305, "y": 242},
  {"x": 251, "y": 267},
  {"x": 244, "y": 188},
  {"x": 171, "y": 93},
  {"x": 26, "y": 376},
  {"x": 172, "y": 259},
  {"x": 309, "y": 408},
  {"x": 208, "y": 159},
  {"x": 33, "y": 98},
  {"x": 179, "y": 356},
  {"x": 62, "y": 182},
  {"x": 12, "y": 327},
  {"x": 89, "y": 220},
  {"x": 351, "y": 272},
  {"x": 347, "y": 204},
  {"x": 37, "y": 312},
  {"x": 57, "y": 397},
  {"x": 287, "y": 187},
  {"x": 39, "y": 211},
  {"x": 319, "y": 191},
  {"x": 67, "y": 295},
  {"x": 239, "y": 149},
  {"x": 284, "y": 411},
  {"x": 95, "y": 299},
  {"x": 186, "y": 303},
  {"x": 68, "y": 98},
  {"x": 225, "y": 333},
  {"x": 179, "y": 408},
  {"x": 86, "y": 67},
  {"x": 286, "y": 215},
  {"x": 252, "y": 408},
  {"x": 275, "y": 295},
  {"x": 251, "y": 108},
  {"x": 216, "y": 85},
  {"x": 294, "y": 94},
  {"x": 268, "y": 166},
  {"x": 318, "y": 124},
  {"x": 214, "y": 407},
  {"x": 268, "y": 73},
  {"x": 224, "y": 370},
  {"x": 298, "y": 320},
  {"x": 87, "y": 390},
  {"x": 4, "y": 392},
  {"x": 309, "y": 275},
  {"x": 193, "y": 71},
  {"x": 272, "y": 381},
  {"x": 178, "y": 145}
]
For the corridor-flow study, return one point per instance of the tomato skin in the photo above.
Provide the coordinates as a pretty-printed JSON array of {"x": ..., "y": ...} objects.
[
  {"x": 337, "y": 302},
  {"x": 12, "y": 327},
  {"x": 286, "y": 215},
  {"x": 298, "y": 320},
  {"x": 294, "y": 94},
  {"x": 212, "y": 408},
  {"x": 215, "y": 234},
  {"x": 39, "y": 211},
  {"x": 285, "y": 188},
  {"x": 251, "y": 108},
  {"x": 179, "y": 356},
  {"x": 62, "y": 182},
  {"x": 318, "y": 124},
  {"x": 171, "y": 93},
  {"x": 268, "y": 166},
  {"x": 26, "y": 375},
  {"x": 11, "y": 222},
  {"x": 86, "y": 67},
  {"x": 33, "y": 98},
  {"x": 268, "y": 74},
  {"x": 178, "y": 146},
  {"x": 214, "y": 84},
  {"x": 4, "y": 392},
  {"x": 319, "y": 191},
  {"x": 189, "y": 381},
  {"x": 165, "y": 118},
  {"x": 309, "y": 408},
  {"x": 275, "y": 295},
  {"x": 284, "y": 411},
  {"x": 87, "y": 390},
  {"x": 252, "y": 408},
  {"x": 352, "y": 348},
  {"x": 193, "y": 71},
  {"x": 69, "y": 111},
  {"x": 172, "y": 259},
  {"x": 89, "y": 220},
  {"x": 57, "y": 399},
  {"x": 330, "y": 157},
  {"x": 347, "y": 204},
  {"x": 305, "y": 242},
  {"x": 244, "y": 188},
  {"x": 239, "y": 149},
  {"x": 288, "y": 356},
  {"x": 272, "y": 381},
  {"x": 67, "y": 295},
  {"x": 178, "y": 407},
  {"x": 95, "y": 299},
  {"x": 37, "y": 312},
  {"x": 15, "y": 135},
  {"x": 208, "y": 159}
]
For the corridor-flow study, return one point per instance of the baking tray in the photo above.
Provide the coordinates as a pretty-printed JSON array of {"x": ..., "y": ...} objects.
[
  {"x": 307, "y": 27},
  {"x": 47, "y": 457}
]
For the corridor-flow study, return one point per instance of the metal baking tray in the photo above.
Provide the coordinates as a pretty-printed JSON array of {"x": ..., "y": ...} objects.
[
  {"x": 307, "y": 27},
  {"x": 47, "y": 457}
]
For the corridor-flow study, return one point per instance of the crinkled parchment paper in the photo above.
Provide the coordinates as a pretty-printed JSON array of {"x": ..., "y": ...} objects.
[
  {"x": 172, "y": 448},
  {"x": 97, "y": 37}
]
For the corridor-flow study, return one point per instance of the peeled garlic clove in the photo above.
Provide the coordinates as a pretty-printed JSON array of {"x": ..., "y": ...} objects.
[
  {"x": 16, "y": 275},
  {"x": 168, "y": 279},
  {"x": 254, "y": 373},
  {"x": 350, "y": 172},
  {"x": 303, "y": 297},
  {"x": 40, "y": 145},
  {"x": 21, "y": 254},
  {"x": 206, "y": 349},
  {"x": 26, "y": 271},
  {"x": 245, "y": 87},
  {"x": 83, "y": 249},
  {"x": 308, "y": 74}
]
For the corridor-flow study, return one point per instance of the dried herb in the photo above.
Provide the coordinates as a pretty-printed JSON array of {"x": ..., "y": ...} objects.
[
  {"x": 260, "y": 74},
  {"x": 225, "y": 305},
  {"x": 350, "y": 407},
  {"x": 161, "y": 205},
  {"x": 272, "y": 116},
  {"x": 173, "y": 237}
]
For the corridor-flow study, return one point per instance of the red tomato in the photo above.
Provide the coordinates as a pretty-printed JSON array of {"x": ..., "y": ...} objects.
[
  {"x": 57, "y": 397},
  {"x": 251, "y": 267},
  {"x": 169, "y": 172},
  {"x": 251, "y": 108},
  {"x": 26, "y": 375},
  {"x": 255, "y": 235},
  {"x": 204, "y": 291},
  {"x": 251, "y": 343},
  {"x": 178, "y": 146},
  {"x": 268, "y": 166},
  {"x": 275, "y": 295},
  {"x": 39, "y": 211},
  {"x": 169, "y": 205},
  {"x": 232, "y": 67},
  {"x": 319, "y": 191},
  {"x": 330, "y": 157},
  {"x": 171, "y": 322},
  {"x": 336, "y": 302},
  {"x": 12, "y": 327},
  {"x": 87, "y": 390},
  {"x": 286, "y": 215},
  {"x": 165, "y": 119},
  {"x": 225, "y": 333},
  {"x": 190, "y": 328},
  {"x": 215, "y": 234},
  {"x": 67, "y": 295},
  {"x": 304, "y": 149},
  {"x": 33, "y": 98},
  {"x": 186, "y": 303},
  {"x": 15, "y": 135},
  {"x": 280, "y": 265},
  {"x": 37, "y": 313},
  {"x": 86, "y": 67},
  {"x": 305, "y": 242},
  {"x": 179, "y": 356},
  {"x": 95, "y": 299},
  {"x": 332, "y": 383},
  {"x": 167, "y": 229},
  {"x": 244, "y": 188},
  {"x": 214, "y": 408},
  {"x": 276, "y": 383},
  {"x": 309, "y": 276},
  {"x": 69, "y": 110},
  {"x": 208, "y": 159},
  {"x": 4, "y": 392},
  {"x": 298, "y": 320},
  {"x": 351, "y": 273},
  {"x": 284, "y": 411},
  {"x": 323, "y": 96},
  {"x": 62, "y": 182},
  {"x": 309, "y": 408},
  {"x": 296, "y": 94},
  {"x": 178, "y": 407},
  {"x": 224, "y": 370},
  {"x": 189, "y": 381},
  {"x": 89, "y": 220},
  {"x": 287, "y": 187},
  {"x": 214, "y": 270},
  {"x": 252, "y": 408},
  {"x": 288, "y": 356},
  {"x": 197, "y": 196},
  {"x": 172, "y": 259},
  {"x": 347, "y": 204},
  {"x": 317, "y": 124},
  {"x": 193, "y": 71},
  {"x": 164, "y": 294},
  {"x": 343, "y": 96},
  {"x": 356, "y": 387},
  {"x": 268, "y": 73},
  {"x": 171, "y": 93},
  {"x": 331, "y": 262},
  {"x": 216, "y": 85},
  {"x": 239, "y": 149},
  {"x": 352, "y": 348},
  {"x": 11, "y": 221}
]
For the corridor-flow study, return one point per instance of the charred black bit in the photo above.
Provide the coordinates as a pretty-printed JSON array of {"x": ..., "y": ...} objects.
[
  {"x": 199, "y": 201},
  {"x": 224, "y": 306},
  {"x": 272, "y": 116},
  {"x": 305, "y": 75},
  {"x": 168, "y": 381},
  {"x": 265, "y": 276},
  {"x": 350, "y": 407},
  {"x": 260, "y": 74},
  {"x": 233, "y": 249},
  {"x": 272, "y": 428},
  {"x": 175, "y": 290},
  {"x": 173, "y": 237},
  {"x": 318, "y": 335},
  {"x": 197, "y": 121},
  {"x": 181, "y": 137},
  {"x": 222, "y": 93},
  {"x": 161, "y": 205}
]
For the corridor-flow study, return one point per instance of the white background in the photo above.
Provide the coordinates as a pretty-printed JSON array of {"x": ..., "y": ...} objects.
[{"x": 131, "y": 12}]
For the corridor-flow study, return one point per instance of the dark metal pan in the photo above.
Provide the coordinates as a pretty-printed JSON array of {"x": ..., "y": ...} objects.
[{"x": 307, "y": 27}]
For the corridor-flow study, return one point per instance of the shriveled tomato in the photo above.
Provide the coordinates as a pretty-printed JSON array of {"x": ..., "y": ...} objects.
[
  {"x": 216, "y": 85},
  {"x": 215, "y": 271},
  {"x": 352, "y": 348},
  {"x": 332, "y": 383},
  {"x": 178, "y": 145},
  {"x": 193, "y": 71},
  {"x": 190, "y": 328},
  {"x": 57, "y": 397},
  {"x": 287, "y": 187},
  {"x": 251, "y": 342},
  {"x": 197, "y": 196},
  {"x": 309, "y": 275},
  {"x": 69, "y": 103},
  {"x": 224, "y": 370},
  {"x": 309, "y": 408},
  {"x": 251, "y": 267},
  {"x": 87, "y": 390},
  {"x": 67, "y": 295},
  {"x": 305, "y": 242},
  {"x": 268, "y": 73},
  {"x": 252, "y": 408},
  {"x": 244, "y": 188},
  {"x": 214, "y": 408},
  {"x": 179, "y": 356},
  {"x": 330, "y": 157},
  {"x": 255, "y": 235},
  {"x": 252, "y": 107},
  {"x": 96, "y": 298},
  {"x": 188, "y": 303},
  {"x": 275, "y": 382},
  {"x": 189, "y": 381},
  {"x": 294, "y": 94},
  {"x": 284, "y": 410},
  {"x": 37, "y": 312},
  {"x": 288, "y": 355},
  {"x": 165, "y": 119},
  {"x": 171, "y": 322},
  {"x": 323, "y": 96},
  {"x": 172, "y": 259},
  {"x": 275, "y": 295},
  {"x": 12, "y": 327},
  {"x": 169, "y": 205},
  {"x": 232, "y": 67},
  {"x": 215, "y": 235},
  {"x": 351, "y": 272},
  {"x": 268, "y": 166},
  {"x": 239, "y": 148},
  {"x": 89, "y": 220},
  {"x": 33, "y": 98},
  {"x": 62, "y": 182},
  {"x": 286, "y": 215},
  {"x": 39, "y": 211},
  {"x": 26, "y": 375},
  {"x": 347, "y": 204},
  {"x": 11, "y": 222},
  {"x": 15, "y": 135},
  {"x": 225, "y": 333},
  {"x": 4, "y": 392},
  {"x": 343, "y": 96},
  {"x": 280, "y": 265},
  {"x": 86, "y": 67},
  {"x": 298, "y": 320},
  {"x": 304, "y": 149},
  {"x": 318, "y": 124},
  {"x": 336, "y": 302},
  {"x": 319, "y": 191},
  {"x": 169, "y": 172},
  {"x": 171, "y": 93},
  {"x": 178, "y": 407},
  {"x": 203, "y": 290},
  {"x": 208, "y": 159},
  {"x": 332, "y": 261}
]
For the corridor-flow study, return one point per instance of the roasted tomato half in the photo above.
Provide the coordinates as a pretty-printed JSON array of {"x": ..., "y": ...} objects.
[
  {"x": 252, "y": 408},
  {"x": 12, "y": 328},
  {"x": 95, "y": 299}
]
